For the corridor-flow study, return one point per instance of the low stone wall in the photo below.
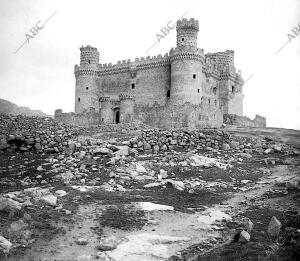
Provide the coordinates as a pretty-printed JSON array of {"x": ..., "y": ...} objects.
[
  {"x": 23, "y": 133},
  {"x": 88, "y": 118},
  {"x": 244, "y": 121},
  {"x": 162, "y": 140}
]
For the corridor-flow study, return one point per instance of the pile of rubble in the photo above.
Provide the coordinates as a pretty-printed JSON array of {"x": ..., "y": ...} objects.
[
  {"x": 156, "y": 140},
  {"x": 121, "y": 127},
  {"x": 25, "y": 133}
]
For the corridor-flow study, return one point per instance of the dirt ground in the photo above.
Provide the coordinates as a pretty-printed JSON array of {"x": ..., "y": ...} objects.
[{"x": 201, "y": 221}]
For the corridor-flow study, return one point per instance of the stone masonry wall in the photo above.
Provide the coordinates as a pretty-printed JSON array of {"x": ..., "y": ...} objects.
[
  {"x": 88, "y": 118},
  {"x": 243, "y": 121},
  {"x": 187, "y": 115}
]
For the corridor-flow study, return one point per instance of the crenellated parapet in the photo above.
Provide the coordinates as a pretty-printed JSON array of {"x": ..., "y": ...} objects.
[
  {"x": 226, "y": 57},
  {"x": 126, "y": 96},
  {"x": 187, "y": 53},
  {"x": 185, "y": 24},
  {"x": 124, "y": 66}
]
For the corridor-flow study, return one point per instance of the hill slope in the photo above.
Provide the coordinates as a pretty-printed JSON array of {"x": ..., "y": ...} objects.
[{"x": 8, "y": 107}]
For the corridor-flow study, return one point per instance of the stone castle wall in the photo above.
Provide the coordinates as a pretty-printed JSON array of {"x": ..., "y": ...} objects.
[
  {"x": 179, "y": 116},
  {"x": 198, "y": 87},
  {"x": 244, "y": 121}
]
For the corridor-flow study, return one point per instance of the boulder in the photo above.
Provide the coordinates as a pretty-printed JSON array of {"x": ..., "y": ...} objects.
[
  {"x": 102, "y": 151},
  {"x": 108, "y": 243},
  {"x": 248, "y": 225},
  {"x": 225, "y": 146},
  {"x": 5, "y": 245},
  {"x": 244, "y": 237},
  {"x": 8, "y": 204},
  {"x": 50, "y": 200},
  {"x": 274, "y": 227},
  {"x": 179, "y": 185},
  {"x": 81, "y": 241}
]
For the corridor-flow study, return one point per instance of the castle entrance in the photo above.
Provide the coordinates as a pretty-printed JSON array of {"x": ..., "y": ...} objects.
[{"x": 117, "y": 115}]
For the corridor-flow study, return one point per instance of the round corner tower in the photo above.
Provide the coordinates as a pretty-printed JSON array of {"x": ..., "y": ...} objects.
[
  {"x": 126, "y": 107},
  {"x": 106, "y": 111},
  {"x": 186, "y": 64},
  {"x": 86, "y": 89}
]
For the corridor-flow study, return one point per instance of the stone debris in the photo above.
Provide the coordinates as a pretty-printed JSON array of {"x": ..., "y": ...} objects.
[
  {"x": 211, "y": 216},
  {"x": 248, "y": 225},
  {"x": 244, "y": 237},
  {"x": 8, "y": 204},
  {"x": 42, "y": 134},
  {"x": 201, "y": 161},
  {"x": 149, "y": 206},
  {"x": 108, "y": 243},
  {"x": 274, "y": 227},
  {"x": 5, "y": 245},
  {"x": 50, "y": 200},
  {"x": 82, "y": 241}
]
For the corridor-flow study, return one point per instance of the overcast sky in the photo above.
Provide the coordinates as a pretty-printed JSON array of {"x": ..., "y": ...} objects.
[{"x": 41, "y": 74}]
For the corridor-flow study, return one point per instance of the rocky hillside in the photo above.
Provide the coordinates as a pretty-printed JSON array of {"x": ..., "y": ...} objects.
[{"x": 8, "y": 107}]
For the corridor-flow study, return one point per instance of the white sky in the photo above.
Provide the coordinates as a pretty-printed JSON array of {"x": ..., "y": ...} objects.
[{"x": 41, "y": 74}]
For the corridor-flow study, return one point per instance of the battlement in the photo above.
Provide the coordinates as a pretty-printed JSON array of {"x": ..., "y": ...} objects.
[
  {"x": 185, "y": 24},
  {"x": 137, "y": 61},
  {"x": 126, "y": 96},
  {"x": 221, "y": 57},
  {"x": 88, "y": 47}
]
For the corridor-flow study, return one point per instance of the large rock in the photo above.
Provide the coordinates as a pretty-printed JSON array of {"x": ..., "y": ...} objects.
[
  {"x": 122, "y": 151},
  {"x": 179, "y": 185},
  {"x": 5, "y": 245},
  {"x": 102, "y": 151},
  {"x": 8, "y": 204},
  {"x": 244, "y": 237},
  {"x": 108, "y": 243},
  {"x": 50, "y": 200},
  {"x": 248, "y": 225},
  {"x": 274, "y": 227}
]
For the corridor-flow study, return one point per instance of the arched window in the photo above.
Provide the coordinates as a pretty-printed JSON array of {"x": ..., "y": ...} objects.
[
  {"x": 232, "y": 89},
  {"x": 215, "y": 90},
  {"x": 78, "y": 99}
]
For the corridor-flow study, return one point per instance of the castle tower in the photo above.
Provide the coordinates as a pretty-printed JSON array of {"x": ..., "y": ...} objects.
[
  {"x": 186, "y": 65},
  {"x": 106, "y": 111},
  {"x": 187, "y": 32},
  {"x": 89, "y": 55},
  {"x": 126, "y": 107},
  {"x": 86, "y": 89},
  {"x": 231, "y": 83}
]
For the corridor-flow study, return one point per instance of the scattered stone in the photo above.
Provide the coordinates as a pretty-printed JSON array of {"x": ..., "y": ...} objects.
[
  {"x": 108, "y": 243},
  {"x": 179, "y": 185},
  {"x": 8, "y": 204},
  {"x": 248, "y": 225},
  {"x": 244, "y": 237},
  {"x": 274, "y": 227},
  {"x": 82, "y": 241},
  {"x": 60, "y": 193},
  {"x": 50, "y": 200},
  {"x": 5, "y": 245}
]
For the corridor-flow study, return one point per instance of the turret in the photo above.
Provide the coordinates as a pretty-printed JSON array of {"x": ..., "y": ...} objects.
[
  {"x": 186, "y": 65},
  {"x": 89, "y": 55},
  {"x": 126, "y": 107},
  {"x": 187, "y": 32},
  {"x": 86, "y": 89}
]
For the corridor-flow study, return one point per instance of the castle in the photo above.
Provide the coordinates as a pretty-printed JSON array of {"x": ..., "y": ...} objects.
[{"x": 183, "y": 88}]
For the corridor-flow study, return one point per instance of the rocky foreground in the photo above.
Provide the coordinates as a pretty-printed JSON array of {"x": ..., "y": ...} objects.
[{"x": 125, "y": 193}]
